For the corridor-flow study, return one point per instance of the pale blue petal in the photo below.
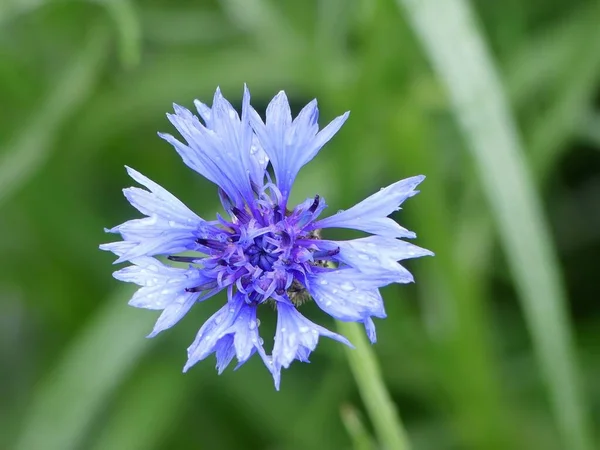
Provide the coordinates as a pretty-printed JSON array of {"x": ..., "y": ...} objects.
[
  {"x": 160, "y": 284},
  {"x": 374, "y": 254},
  {"x": 231, "y": 330},
  {"x": 370, "y": 329},
  {"x": 347, "y": 294},
  {"x": 173, "y": 313},
  {"x": 291, "y": 144},
  {"x": 163, "y": 288},
  {"x": 223, "y": 150},
  {"x": 370, "y": 215},
  {"x": 295, "y": 338},
  {"x": 170, "y": 228}
]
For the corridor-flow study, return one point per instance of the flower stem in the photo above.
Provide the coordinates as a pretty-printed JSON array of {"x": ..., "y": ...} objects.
[{"x": 386, "y": 421}]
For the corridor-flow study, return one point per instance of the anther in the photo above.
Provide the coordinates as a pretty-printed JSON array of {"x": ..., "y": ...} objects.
[
  {"x": 184, "y": 259},
  {"x": 315, "y": 204},
  {"x": 212, "y": 243},
  {"x": 240, "y": 214}
]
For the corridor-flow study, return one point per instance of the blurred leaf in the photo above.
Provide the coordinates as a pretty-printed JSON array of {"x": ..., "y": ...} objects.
[
  {"x": 172, "y": 26},
  {"x": 447, "y": 30},
  {"x": 569, "y": 106},
  {"x": 455, "y": 311},
  {"x": 542, "y": 62},
  {"x": 146, "y": 411},
  {"x": 30, "y": 147},
  {"x": 590, "y": 129},
  {"x": 361, "y": 439},
  {"x": 262, "y": 20},
  {"x": 69, "y": 398},
  {"x": 127, "y": 23}
]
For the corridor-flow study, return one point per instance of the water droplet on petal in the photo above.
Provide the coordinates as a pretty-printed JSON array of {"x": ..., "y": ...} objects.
[
  {"x": 172, "y": 223},
  {"x": 347, "y": 286},
  {"x": 253, "y": 324},
  {"x": 304, "y": 329},
  {"x": 323, "y": 282}
]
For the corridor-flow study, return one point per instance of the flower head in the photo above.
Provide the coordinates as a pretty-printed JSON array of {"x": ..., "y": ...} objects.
[{"x": 266, "y": 251}]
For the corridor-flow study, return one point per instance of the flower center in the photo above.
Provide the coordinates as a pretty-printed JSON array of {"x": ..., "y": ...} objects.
[{"x": 264, "y": 252}]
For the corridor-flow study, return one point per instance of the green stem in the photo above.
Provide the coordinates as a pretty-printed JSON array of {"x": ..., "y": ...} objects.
[{"x": 386, "y": 421}]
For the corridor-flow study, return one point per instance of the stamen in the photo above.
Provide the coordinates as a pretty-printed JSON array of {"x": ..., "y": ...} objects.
[
  {"x": 240, "y": 214},
  {"x": 315, "y": 204},
  {"x": 212, "y": 244},
  {"x": 183, "y": 259}
]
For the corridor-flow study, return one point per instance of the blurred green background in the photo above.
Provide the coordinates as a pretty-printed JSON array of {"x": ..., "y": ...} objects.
[{"x": 476, "y": 355}]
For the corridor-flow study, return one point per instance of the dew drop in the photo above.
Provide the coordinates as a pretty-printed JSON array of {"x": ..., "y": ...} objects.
[
  {"x": 364, "y": 256},
  {"x": 172, "y": 223},
  {"x": 328, "y": 303},
  {"x": 261, "y": 341},
  {"x": 218, "y": 320},
  {"x": 283, "y": 329},
  {"x": 253, "y": 325},
  {"x": 304, "y": 329},
  {"x": 347, "y": 286},
  {"x": 323, "y": 282},
  {"x": 334, "y": 291}
]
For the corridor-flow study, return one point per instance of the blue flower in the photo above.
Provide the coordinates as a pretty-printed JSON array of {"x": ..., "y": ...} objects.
[{"x": 266, "y": 251}]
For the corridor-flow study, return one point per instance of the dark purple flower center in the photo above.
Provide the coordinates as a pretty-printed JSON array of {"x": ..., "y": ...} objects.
[{"x": 263, "y": 253}]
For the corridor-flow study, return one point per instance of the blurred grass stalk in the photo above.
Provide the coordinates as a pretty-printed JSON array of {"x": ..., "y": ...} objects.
[
  {"x": 382, "y": 412},
  {"x": 456, "y": 49}
]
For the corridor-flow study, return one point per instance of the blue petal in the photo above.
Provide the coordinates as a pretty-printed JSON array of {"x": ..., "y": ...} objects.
[
  {"x": 375, "y": 254},
  {"x": 349, "y": 295},
  {"x": 370, "y": 329},
  {"x": 222, "y": 151},
  {"x": 170, "y": 228},
  {"x": 370, "y": 215},
  {"x": 231, "y": 330},
  {"x": 291, "y": 144},
  {"x": 163, "y": 288},
  {"x": 295, "y": 338}
]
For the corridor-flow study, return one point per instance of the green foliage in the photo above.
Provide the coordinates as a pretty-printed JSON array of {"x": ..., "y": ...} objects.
[{"x": 83, "y": 89}]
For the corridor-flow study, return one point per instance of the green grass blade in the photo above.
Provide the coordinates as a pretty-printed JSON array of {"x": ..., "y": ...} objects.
[
  {"x": 382, "y": 412},
  {"x": 456, "y": 49},
  {"x": 69, "y": 398}
]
